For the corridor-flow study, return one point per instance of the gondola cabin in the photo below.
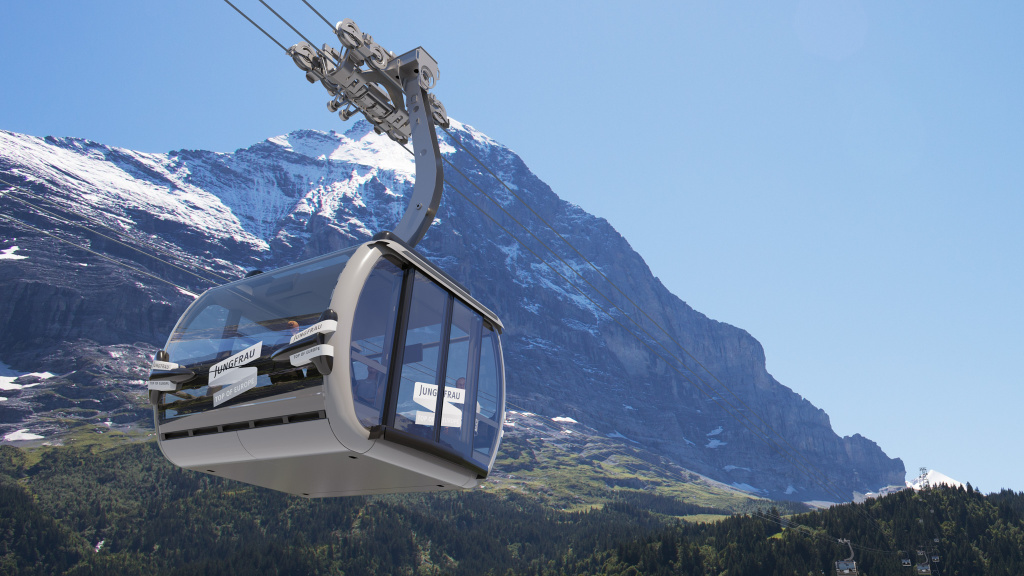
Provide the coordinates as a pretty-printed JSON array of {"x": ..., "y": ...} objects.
[
  {"x": 846, "y": 567},
  {"x": 364, "y": 371}
]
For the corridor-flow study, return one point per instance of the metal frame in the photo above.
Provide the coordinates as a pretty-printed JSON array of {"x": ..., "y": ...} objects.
[{"x": 391, "y": 93}]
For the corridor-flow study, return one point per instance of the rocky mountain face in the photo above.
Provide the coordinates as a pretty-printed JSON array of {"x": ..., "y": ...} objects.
[{"x": 623, "y": 361}]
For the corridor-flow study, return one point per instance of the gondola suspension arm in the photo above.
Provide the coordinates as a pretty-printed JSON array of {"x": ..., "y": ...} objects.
[{"x": 392, "y": 94}]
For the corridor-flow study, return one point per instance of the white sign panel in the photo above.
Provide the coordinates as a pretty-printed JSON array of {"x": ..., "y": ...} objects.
[
  {"x": 236, "y": 381},
  {"x": 162, "y": 386},
  {"x": 307, "y": 355},
  {"x": 322, "y": 327},
  {"x": 241, "y": 359},
  {"x": 426, "y": 395},
  {"x": 161, "y": 365}
]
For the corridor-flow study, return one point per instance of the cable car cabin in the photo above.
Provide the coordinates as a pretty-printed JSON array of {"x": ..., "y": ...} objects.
[
  {"x": 846, "y": 567},
  {"x": 923, "y": 569},
  {"x": 365, "y": 371}
]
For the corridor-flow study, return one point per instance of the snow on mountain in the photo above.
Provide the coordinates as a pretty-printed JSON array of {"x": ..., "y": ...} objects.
[
  {"x": 306, "y": 193},
  {"x": 933, "y": 478},
  {"x": 9, "y": 254},
  {"x": 105, "y": 181}
]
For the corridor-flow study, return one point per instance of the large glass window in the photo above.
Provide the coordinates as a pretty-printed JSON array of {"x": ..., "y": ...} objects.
[
  {"x": 431, "y": 362},
  {"x": 488, "y": 424},
  {"x": 373, "y": 332},
  {"x": 460, "y": 378},
  {"x": 253, "y": 318},
  {"x": 416, "y": 403}
]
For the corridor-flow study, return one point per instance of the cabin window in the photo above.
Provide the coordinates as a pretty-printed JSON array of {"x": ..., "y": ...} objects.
[
  {"x": 445, "y": 384},
  {"x": 373, "y": 333},
  {"x": 488, "y": 402},
  {"x": 418, "y": 380},
  {"x": 460, "y": 378},
  {"x": 260, "y": 313}
]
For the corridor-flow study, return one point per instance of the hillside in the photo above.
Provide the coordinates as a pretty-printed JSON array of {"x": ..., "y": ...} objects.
[{"x": 109, "y": 506}]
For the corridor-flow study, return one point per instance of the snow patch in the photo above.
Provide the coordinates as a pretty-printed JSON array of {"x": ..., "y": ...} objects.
[
  {"x": 564, "y": 419},
  {"x": 745, "y": 487},
  {"x": 8, "y": 376},
  {"x": 715, "y": 432},
  {"x": 22, "y": 434},
  {"x": 790, "y": 490},
  {"x": 730, "y": 468},
  {"x": 616, "y": 434},
  {"x": 9, "y": 254},
  {"x": 715, "y": 443}
]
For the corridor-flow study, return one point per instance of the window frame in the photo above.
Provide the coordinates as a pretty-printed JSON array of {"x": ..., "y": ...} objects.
[{"x": 386, "y": 430}]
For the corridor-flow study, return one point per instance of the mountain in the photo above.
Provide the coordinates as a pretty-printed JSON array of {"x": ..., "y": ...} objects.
[{"x": 188, "y": 214}]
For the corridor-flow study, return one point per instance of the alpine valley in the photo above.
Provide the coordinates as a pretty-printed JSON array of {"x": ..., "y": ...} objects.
[{"x": 80, "y": 329}]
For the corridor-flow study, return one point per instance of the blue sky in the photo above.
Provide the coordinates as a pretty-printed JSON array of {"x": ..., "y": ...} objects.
[{"x": 840, "y": 178}]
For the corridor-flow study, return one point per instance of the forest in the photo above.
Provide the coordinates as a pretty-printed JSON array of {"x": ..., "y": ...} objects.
[{"x": 123, "y": 509}]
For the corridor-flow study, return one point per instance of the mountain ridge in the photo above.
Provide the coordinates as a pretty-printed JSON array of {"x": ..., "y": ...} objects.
[{"x": 274, "y": 202}]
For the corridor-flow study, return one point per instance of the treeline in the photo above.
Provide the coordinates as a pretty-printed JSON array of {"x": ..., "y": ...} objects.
[
  {"x": 153, "y": 518},
  {"x": 976, "y": 535}
]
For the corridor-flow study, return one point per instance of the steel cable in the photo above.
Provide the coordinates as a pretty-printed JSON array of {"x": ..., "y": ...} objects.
[
  {"x": 115, "y": 261},
  {"x": 58, "y": 218}
]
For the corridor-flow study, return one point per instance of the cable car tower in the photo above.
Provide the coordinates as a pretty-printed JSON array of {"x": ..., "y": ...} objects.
[{"x": 364, "y": 371}]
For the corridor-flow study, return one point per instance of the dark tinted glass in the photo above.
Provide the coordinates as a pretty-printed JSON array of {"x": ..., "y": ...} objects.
[
  {"x": 259, "y": 313},
  {"x": 488, "y": 402},
  {"x": 373, "y": 333},
  {"x": 460, "y": 379},
  {"x": 417, "y": 393}
]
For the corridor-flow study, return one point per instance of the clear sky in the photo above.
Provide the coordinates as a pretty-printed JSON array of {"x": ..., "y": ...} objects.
[{"x": 843, "y": 179}]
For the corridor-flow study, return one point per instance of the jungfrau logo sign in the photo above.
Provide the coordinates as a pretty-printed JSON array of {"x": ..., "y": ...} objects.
[
  {"x": 221, "y": 368},
  {"x": 426, "y": 395}
]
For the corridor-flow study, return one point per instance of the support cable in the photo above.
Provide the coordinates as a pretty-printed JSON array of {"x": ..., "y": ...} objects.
[
  {"x": 104, "y": 256},
  {"x": 267, "y": 34},
  {"x": 289, "y": 24},
  {"x": 70, "y": 223},
  {"x": 24, "y": 190},
  {"x": 326, "y": 21}
]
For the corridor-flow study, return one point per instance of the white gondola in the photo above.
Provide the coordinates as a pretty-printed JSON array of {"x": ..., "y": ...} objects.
[{"x": 364, "y": 371}]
